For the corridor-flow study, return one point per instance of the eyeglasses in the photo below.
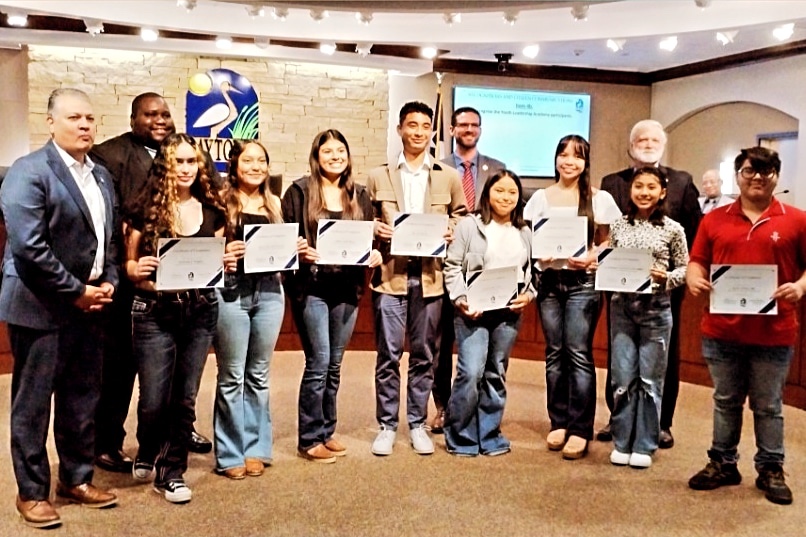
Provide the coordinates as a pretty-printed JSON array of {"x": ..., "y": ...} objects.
[
  {"x": 466, "y": 126},
  {"x": 748, "y": 173}
]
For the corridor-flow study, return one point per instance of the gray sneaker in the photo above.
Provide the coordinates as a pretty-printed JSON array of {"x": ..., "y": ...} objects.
[
  {"x": 385, "y": 441},
  {"x": 420, "y": 441}
]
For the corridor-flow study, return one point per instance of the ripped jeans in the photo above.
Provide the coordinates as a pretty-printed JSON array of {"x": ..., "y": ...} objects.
[{"x": 641, "y": 327}]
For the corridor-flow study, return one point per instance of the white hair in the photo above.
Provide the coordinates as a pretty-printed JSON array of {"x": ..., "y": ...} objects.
[{"x": 644, "y": 125}]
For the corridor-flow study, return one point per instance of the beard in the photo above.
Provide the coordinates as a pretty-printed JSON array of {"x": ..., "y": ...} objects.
[{"x": 647, "y": 156}]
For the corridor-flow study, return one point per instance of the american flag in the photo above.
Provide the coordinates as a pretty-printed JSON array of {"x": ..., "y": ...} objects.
[{"x": 437, "y": 148}]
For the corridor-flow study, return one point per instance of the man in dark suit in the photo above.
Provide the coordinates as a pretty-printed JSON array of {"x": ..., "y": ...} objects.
[
  {"x": 475, "y": 169},
  {"x": 59, "y": 272},
  {"x": 647, "y": 144}
]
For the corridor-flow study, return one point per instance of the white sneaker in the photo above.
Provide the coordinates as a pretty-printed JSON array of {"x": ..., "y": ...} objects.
[
  {"x": 385, "y": 441},
  {"x": 175, "y": 491},
  {"x": 420, "y": 441},
  {"x": 640, "y": 460},
  {"x": 618, "y": 458}
]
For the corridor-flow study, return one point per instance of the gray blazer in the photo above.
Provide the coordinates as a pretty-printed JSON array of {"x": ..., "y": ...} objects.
[
  {"x": 51, "y": 240},
  {"x": 487, "y": 168}
]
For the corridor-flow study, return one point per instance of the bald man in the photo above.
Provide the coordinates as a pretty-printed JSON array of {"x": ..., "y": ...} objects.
[{"x": 712, "y": 192}]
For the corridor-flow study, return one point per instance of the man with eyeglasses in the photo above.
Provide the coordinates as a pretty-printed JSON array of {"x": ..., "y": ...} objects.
[
  {"x": 749, "y": 355},
  {"x": 712, "y": 190},
  {"x": 475, "y": 169}
]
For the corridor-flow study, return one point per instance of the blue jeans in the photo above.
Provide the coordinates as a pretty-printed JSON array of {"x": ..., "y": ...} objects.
[
  {"x": 476, "y": 404},
  {"x": 398, "y": 316},
  {"x": 739, "y": 371},
  {"x": 249, "y": 320},
  {"x": 325, "y": 326},
  {"x": 641, "y": 328},
  {"x": 569, "y": 307},
  {"x": 171, "y": 340}
]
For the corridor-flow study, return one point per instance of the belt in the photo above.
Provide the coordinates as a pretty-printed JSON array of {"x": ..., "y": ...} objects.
[{"x": 190, "y": 295}]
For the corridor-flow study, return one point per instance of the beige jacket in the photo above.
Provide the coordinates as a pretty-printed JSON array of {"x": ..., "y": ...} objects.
[{"x": 443, "y": 195}]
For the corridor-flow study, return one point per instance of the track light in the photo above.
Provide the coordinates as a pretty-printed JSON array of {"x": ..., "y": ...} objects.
[
  {"x": 781, "y": 33},
  {"x": 262, "y": 42},
  {"x": 256, "y": 11},
  {"x": 510, "y": 17},
  {"x": 364, "y": 17},
  {"x": 580, "y": 12},
  {"x": 279, "y": 13},
  {"x": 16, "y": 18},
  {"x": 223, "y": 42},
  {"x": 531, "y": 51},
  {"x": 429, "y": 53},
  {"x": 94, "y": 27},
  {"x": 318, "y": 14},
  {"x": 149, "y": 34},
  {"x": 616, "y": 44},
  {"x": 726, "y": 38},
  {"x": 452, "y": 18},
  {"x": 363, "y": 49},
  {"x": 189, "y": 5},
  {"x": 668, "y": 44},
  {"x": 328, "y": 48},
  {"x": 702, "y": 4}
]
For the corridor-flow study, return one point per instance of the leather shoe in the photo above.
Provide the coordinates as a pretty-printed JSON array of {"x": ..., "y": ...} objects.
[
  {"x": 318, "y": 453},
  {"x": 38, "y": 513},
  {"x": 239, "y": 472},
  {"x": 665, "y": 439},
  {"x": 254, "y": 467},
  {"x": 86, "y": 494},
  {"x": 604, "y": 434},
  {"x": 438, "y": 425},
  {"x": 114, "y": 461},
  {"x": 199, "y": 444},
  {"x": 336, "y": 448}
]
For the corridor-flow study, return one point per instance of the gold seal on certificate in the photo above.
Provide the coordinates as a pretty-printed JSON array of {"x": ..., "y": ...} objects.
[
  {"x": 190, "y": 263},
  {"x": 344, "y": 242},
  {"x": 744, "y": 289},
  {"x": 559, "y": 237},
  {"x": 492, "y": 289},
  {"x": 420, "y": 235},
  {"x": 624, "y": 270},
  {"x": 270, "y": 247}
]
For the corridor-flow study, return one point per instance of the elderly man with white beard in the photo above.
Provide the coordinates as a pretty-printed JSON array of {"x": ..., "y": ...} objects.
[{"x": 647, "y": 144}]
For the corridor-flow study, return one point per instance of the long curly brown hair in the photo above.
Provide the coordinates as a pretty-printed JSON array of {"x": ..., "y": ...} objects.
[
  {"x": 157, "y": 205},
  {"x": 232, "y": 186}
]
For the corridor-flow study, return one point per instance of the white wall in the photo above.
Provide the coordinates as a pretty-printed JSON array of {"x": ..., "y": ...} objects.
[
  {"x": 402, "y": 89},
  {"x": 776, "y": 83},
  {"x": 14, "y": 105}
]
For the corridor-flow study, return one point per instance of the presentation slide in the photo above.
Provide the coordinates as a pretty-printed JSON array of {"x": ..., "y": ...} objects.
[{"x": 522, "y": 128}]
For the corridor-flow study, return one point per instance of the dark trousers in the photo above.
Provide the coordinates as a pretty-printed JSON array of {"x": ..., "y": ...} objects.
[
  {"x": 119, "y": 370},
  {"x": 671, "y": 383},
  {"x": 443, "y": 361},
  {"x": 64, "y": 363}
]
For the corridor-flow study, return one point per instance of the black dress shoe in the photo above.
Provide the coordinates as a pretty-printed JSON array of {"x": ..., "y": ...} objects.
[
  {"x": 199, "y": 444},
  {"x": 665, "y": 439},
  {"x": 604, "y": 434},
  {"x": 114, "y": 461}
]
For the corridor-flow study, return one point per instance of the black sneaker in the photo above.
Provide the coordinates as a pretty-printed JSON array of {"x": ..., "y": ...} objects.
[
  {"x": 771, "y": 480},
  {"x": 142, "y": 470},
  {"x": 175, "y": 491},
  {"x": 715, "y": 475}
]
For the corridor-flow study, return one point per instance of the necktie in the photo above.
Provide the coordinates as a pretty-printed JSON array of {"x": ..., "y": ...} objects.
[
  {"x": 468, "y": 186},
  {"x": 709, "y": 204}
]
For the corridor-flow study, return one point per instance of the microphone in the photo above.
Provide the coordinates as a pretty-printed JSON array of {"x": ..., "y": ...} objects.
[{"x": 785, "y": 191}]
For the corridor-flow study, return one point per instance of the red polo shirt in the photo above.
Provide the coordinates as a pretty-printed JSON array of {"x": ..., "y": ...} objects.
[{"x": 726, "y": 236}]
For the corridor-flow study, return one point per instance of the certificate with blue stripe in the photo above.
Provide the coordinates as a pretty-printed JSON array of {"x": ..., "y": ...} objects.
[
  {"x": 559, "y": 237},
  {"x": 624, "y": 270},
  {"x": 270, "y": 247},
  {"x": 190, "y": 263},
  {"x": 744, "y": 289},
  {"x": 421, "y": 235},
  {"x": 344, "y": 242},
  {"x": 491, "y": 289}
]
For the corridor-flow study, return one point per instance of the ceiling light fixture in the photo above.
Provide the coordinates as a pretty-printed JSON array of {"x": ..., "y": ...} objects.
[
  {"x": 262, "y": 42},
  {"x": 223, "y": 42},
  {"x": 702, "y": 4},
  {"x": 328, "y": 48},
  {"x": 580, "y": 11},
  {"x": 319, "y": 14},
  {"x": 16, "y": 18},
  {"x": 279, "y": 13},
  {"x": 256, "y": 11},
  {"x": 781, "y": 33},
  {"x": 429, "y": 53},
  {"x": 94, "y": 27},
  {"x": 531, "y": 51},
  {"x": 726, "y": 38},
  {"x": 189, "y": 5},
  {"x": 510, "y": 17},
  {"x": 363, "y": 49},
  {"x": 149, "y": 34},
  {"x": 364, "y": 17},
  {"x": 668, "y": 44},
  {"x": 452, "y": 18},
  {"x": 616, "y": 44}
]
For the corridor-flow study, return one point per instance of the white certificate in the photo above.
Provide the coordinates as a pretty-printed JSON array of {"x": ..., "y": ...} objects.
[
  {"x": 190, "y": 263},
  {"x": 344, "y": 242},
  {"x": 420, "y": 235},
  {"x": 559, "y": 237},
  {"x": 270, "y": 247},
  {"x": 744, "y": 289},
  {"x": 624, "y": 270},
  {"x": 492, "y": 289}
]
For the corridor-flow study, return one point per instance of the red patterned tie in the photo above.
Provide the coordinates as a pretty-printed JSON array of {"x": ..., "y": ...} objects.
[{"x": 468, "y": 186}]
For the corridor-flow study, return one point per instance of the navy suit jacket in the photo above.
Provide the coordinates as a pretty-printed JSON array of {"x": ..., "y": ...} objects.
[
  {"x": 488, "y": 167},
  {"x": 51, "y": 241}
]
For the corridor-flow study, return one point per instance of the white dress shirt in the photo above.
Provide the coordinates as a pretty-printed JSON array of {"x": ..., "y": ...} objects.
[{"x": 415, "y": 181}]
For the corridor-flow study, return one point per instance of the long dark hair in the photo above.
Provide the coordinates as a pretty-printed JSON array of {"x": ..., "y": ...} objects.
[
  {"x": 484, "y": 209},
  {"x": 316, "y": 203},
  {"x": 230, "y": 192},
  {"x": 157, "y": 203},
  {"x": 656, "y": 218},
  {"x": 581, "y": 149}
]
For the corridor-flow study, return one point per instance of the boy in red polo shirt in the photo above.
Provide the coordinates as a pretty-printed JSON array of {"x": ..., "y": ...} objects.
[{"x": 749, "y": 354}]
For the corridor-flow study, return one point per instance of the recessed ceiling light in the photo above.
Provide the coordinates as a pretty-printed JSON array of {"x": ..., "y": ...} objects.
[
  {"x": 428, "y": 53},
  {"x": 580, "y": 12},
  {"x": 726, "y": 38},
  {"x": 781, "y": 33},
  {"x": 94, "y": 27},
  {"x": 363, "y": 49},
  {"x": 616, "y": 44},
  {"x": 16, "y": 18},
  {"x": 702, "y": 4},
  {"x": 364, "y": 17},
  {"x": 149, "y": 34},
  {"x": 452, "y": 18},
  {"x": 223, "y": 42},
  {"x": 510, "y": 17},
  {"x": 668, "y": 44},
  {"x": 319, "y": 14},
  {"x": 279, "y": 13},
  {"x": 189, "y": 5},
  {"x": 262, "y": 42},
  {"x": 256, "y": 11},
  {"x": 531, "y": 51},
  {"x": 328, "y": 48}
]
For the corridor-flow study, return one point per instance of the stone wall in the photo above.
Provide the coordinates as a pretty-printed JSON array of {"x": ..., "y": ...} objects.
[{"x": 297, "y": 100}]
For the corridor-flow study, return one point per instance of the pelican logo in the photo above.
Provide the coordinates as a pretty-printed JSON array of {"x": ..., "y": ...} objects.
[{"x": 221, "y": 105}]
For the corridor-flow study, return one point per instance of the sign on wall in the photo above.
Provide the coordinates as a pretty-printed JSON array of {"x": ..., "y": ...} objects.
[{"x": 222, "y": 106}]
